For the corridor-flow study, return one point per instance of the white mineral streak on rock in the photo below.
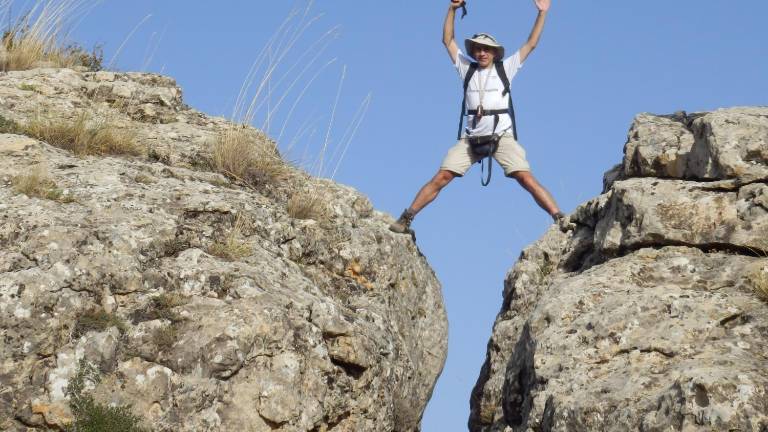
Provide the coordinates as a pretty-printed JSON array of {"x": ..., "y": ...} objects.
[
  {"x": 647, "y": 316},
  {"x": 332, "y": 324},
  {"x": 58, "y": 378},
  {"x": 21, "y": 312}
]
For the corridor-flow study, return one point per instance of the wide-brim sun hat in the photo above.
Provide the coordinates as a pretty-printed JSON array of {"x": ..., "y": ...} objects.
[{"x": 487, "y": 40}]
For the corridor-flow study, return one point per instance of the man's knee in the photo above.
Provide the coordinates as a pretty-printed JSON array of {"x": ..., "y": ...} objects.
[
  {"x": 525, "y": 178},
  {"x": 442, "y": 178}
]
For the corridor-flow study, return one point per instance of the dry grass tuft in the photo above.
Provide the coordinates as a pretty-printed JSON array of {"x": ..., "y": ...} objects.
[
  {"x": 165, "y": 337},
  {"x": 38, "y": 184},
  {"x": 232, "y": 247},
  {"x": 167, "y": 301},
  {"x": 307, "y": 205},
  {"x": 83, "y": 137},
  {"x": 162, "y": 306},
  {"x": 8, "y": 126},
  {"x": 249, "y": 156},
  {"x": 97, "y": 320},
  {"x": 142, "y": 178},
  {"x": 36, "y": 39},
  {"x": 757, "y": 276}
]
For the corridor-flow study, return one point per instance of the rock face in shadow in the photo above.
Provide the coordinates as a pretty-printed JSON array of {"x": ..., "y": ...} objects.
[
  {"x": 652, "y": 314},
  {"x": 327, "y": 322}
]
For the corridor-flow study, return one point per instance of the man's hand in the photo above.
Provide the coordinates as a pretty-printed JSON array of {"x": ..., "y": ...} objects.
[
  {"x": 543, "y": 5},
  {"x": 448, "y": 39},
  {"x": 455, "y": 4}
]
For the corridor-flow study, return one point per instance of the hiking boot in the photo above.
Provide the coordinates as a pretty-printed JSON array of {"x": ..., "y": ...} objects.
[
  {"x": 563, "y": 222},
  {"x": 403, "y": 224}
]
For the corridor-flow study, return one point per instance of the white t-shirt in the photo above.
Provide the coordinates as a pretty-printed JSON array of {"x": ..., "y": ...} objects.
[{"x": 492, "y": 98}]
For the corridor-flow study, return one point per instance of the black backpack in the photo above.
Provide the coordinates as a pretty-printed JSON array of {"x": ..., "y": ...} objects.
[{"x": 485, "y": 147}]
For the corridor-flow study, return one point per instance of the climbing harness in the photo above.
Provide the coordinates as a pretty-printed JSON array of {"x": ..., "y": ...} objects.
[{"x": 485, "y": 146}]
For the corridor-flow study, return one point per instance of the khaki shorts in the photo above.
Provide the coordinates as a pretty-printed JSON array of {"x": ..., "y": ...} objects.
[{"x": 510, "y": 155}]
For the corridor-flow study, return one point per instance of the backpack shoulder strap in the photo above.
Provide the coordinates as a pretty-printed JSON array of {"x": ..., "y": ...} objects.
[
  {"x": 505, "y": 80},
  {"x": 471, "y": 72},
  {"x": 502, "y": 76}
]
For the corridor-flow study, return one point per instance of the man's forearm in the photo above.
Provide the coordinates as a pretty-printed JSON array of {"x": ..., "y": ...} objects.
[
  {"x": 448, "y": 31},
  {"x": 538, "y": 27},
  {"x": 534, "y": 37}
]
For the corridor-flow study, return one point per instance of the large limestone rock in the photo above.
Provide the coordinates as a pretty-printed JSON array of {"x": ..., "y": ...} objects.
[
  {"x": 326, "y": 324},
  {"x": 726, "y": 144},
  {"x": 650, "y": 315}
]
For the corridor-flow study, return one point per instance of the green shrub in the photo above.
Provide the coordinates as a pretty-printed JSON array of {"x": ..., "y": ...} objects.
[{"x": 91, "y": 416}]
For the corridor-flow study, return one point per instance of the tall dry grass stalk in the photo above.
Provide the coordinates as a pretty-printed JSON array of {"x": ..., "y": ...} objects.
[
  {"x": 40, "y": 34},
  {"x": 265, "y": 78},
  {"x": 84, "y": 137},
  {"x": 125, "y": 41},
  {"x": 280, "y": 78}
]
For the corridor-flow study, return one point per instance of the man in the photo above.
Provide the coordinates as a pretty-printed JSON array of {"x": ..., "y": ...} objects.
[{"x": 485, "y": 94}]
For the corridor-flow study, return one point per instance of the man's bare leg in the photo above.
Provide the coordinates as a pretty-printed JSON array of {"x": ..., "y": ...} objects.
[
  {"x": 541, "y": 195},
  {"x": 429, "y": 191},
  {"x": 426, "y": 195}
]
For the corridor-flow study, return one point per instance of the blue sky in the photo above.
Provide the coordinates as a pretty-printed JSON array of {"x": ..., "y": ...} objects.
[{"x": 599, "y": 63}]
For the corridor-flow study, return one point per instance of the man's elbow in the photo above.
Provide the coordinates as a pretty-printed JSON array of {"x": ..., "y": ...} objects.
[
  {"x": 446, "y": 42},
  {"x": 530, "y": 46}
]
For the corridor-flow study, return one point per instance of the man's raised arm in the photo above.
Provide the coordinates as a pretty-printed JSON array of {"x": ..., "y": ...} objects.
[
  {"x": 538, "y": 26},
  {"x": 448, "y": 39}
]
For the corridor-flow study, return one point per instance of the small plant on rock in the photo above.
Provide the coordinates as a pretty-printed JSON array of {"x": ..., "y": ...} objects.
[
  {"x": 35, "y": 39},
  {"x": 166, "y": 336},
  {"x": 84, "y": 137},
  {"x": 8, "y": 126},
  {"x": 248, "y": 156},
  {"x": 758, "y": 279},
  {"x": 161, "y": 307},
  {"x": 157, "y": 155},
  {"x": 38, "y": 184},
  {"x": 142, "y": 178},
  {"x": 91, "y": 416},
  {"x": 97, "y": 320},
  {"x": 307, "y": 205},
  {"x": 231, "y": 247}
]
